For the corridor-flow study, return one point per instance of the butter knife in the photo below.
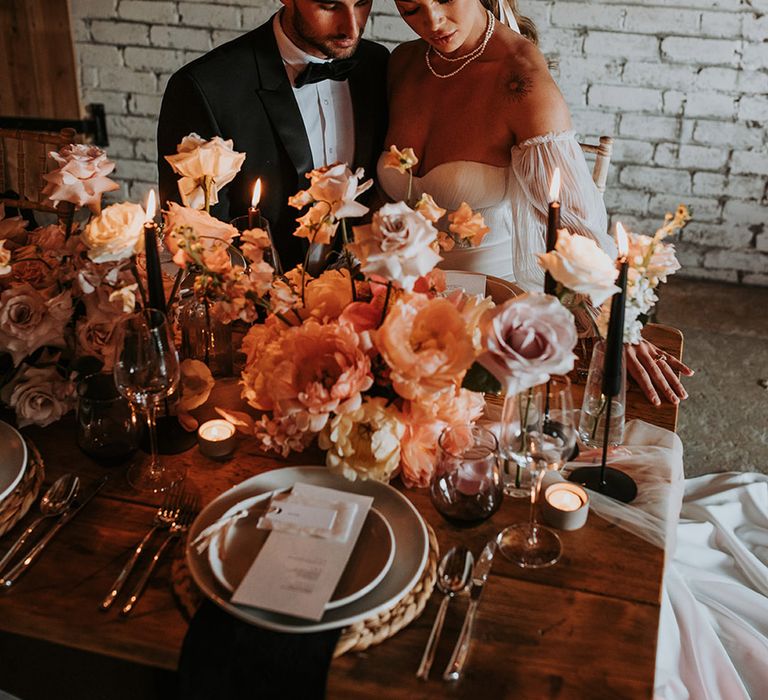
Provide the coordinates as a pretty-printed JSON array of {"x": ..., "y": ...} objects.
[
  {"x": 479, "y": 577},
  {"x": 12, "y": 576}
]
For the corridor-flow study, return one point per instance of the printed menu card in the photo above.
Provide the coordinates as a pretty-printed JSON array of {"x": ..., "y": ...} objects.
[{"x": 314, "y": 531}]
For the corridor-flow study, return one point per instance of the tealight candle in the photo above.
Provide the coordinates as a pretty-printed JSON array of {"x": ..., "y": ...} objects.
[
  {"x": 565, "y": 506},
  {"x": 216, "y": 438}
]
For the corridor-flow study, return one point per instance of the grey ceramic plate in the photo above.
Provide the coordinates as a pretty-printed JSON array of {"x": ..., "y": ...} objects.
[
  {"x": 408, "y": 528},
  {"x": 13, "y": 458}
]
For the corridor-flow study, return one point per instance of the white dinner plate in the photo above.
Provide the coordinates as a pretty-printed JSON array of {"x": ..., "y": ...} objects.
[
  {"x": 13, "y": 458},
  {"x": 232, "y": 551},
  {"x": 408, "y": 528}
]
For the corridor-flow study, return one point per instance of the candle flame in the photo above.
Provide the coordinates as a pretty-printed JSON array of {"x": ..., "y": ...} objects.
[
  {"x": 256, "y": 193},
  {"x": 554, "y": 186},
  {"x": 150, "y": 209},
  {"x": 621, "y": 240}
]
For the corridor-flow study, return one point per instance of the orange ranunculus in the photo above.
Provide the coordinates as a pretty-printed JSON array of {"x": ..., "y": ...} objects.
[{"x": 426, "y": 344}]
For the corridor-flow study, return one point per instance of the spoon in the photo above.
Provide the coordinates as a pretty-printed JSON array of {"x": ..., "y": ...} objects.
[
  {"x": 454, "y": 574},
  {"x": 54, "y": 502}
]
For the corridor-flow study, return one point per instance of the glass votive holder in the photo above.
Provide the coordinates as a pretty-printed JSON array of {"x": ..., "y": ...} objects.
[
  {"x": 107, "y": 425},
  {"x": 594, "y": 406},
  {"x": 216, "y": 438},
  {"x": 467, "y": 486},
  {"x": 250, "y": 221}
]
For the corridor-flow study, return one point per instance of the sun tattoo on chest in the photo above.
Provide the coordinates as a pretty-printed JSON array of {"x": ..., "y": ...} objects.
[{"x": 519, "y": 86}]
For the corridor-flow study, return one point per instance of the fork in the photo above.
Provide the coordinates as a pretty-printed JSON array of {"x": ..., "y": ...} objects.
[
  {"x": 164, "y": 517},
  {"x": 190, "y": 505}
]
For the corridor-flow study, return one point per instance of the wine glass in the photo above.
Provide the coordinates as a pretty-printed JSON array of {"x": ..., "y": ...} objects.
[
  {"x": 518, "y": 418},
  {"x": 466, "y": 487},
  {"x": 549, "y": 444},
  {"x": 146, "y": 371}
]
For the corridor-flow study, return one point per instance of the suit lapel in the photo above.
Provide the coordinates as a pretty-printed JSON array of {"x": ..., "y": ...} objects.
[{"x": 276, "y": 94}]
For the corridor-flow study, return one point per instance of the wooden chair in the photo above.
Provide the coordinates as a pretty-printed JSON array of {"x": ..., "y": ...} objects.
[
  {"x": 602, "y": 154},
  {"x": 23, "y": 162}
]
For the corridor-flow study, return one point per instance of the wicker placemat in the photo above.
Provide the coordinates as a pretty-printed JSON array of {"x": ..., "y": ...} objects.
[
  {"x": 357, "y": 637},
  {"x": 15, "y": 506}
]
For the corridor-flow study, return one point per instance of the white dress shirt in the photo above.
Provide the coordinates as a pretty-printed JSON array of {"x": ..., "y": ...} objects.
[{"x": 326, "y": 107}]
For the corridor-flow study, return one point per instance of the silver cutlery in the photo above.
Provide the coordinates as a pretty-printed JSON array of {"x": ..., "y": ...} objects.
[
  {"x": 77, "y": 505},
  {"x": 479, "y": 576},
  {"x": 54, "y": 502},
  {"x": 453, "y": 576},
  {"x": 165, "y": 516},
  {"x": 187, "y": 513}
]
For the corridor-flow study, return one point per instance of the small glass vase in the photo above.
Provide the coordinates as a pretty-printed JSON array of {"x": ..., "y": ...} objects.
[
  {"x": 594, "y": 407},
  {"x": 204, "y": 337}
]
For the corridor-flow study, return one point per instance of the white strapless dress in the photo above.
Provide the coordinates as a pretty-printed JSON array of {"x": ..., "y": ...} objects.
[{"x": 513, "y": 201}]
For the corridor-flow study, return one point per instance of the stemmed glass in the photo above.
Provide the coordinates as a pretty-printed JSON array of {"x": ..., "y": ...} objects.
[
  {"x": 550, "y": 443},
  {"x": 519, "y": 417},
  {"x": 146, "y": 371}
]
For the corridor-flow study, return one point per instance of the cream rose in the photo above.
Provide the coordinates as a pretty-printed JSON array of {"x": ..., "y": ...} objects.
[
  {"x": 5, "y": 259},
  {"x": 197, "y": 159},
  {"x": 397, "y": 245},
  {"x": 579, "y": 264},
  {"x": 527, "y": 339},
  {"x": 39, "y": 396},
  {"x": 365, "y": 443},
  {"x": 81, "y": 178},
  {"x": 116, "y": 233},
  {"x": 28, "y": 321}
]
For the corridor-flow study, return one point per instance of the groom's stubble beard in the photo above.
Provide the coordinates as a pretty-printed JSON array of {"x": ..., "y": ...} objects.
[{"x": 324, "y": 44}]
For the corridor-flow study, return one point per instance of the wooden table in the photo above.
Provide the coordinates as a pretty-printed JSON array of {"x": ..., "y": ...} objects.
[{"x": 583, "y": 628}]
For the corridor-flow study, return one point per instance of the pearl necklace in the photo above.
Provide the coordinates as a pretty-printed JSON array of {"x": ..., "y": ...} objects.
[{"x": 467, "y": 58}]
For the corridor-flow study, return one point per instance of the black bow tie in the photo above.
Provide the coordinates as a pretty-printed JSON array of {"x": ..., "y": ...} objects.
[{"x": 329, "y": 70}]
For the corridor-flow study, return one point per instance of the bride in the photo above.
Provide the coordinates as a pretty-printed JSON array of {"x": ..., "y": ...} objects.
[{"x": 474, "y": 99}]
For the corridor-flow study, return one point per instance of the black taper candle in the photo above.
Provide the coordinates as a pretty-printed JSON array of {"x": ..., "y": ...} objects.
[
  {"x": 614, "y": 346},
  {"x": 154, "y": 273},
  {"x": 553, "y": 224}
]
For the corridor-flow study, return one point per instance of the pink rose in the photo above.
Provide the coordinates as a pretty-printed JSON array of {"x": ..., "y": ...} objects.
[
  {"x": 94, "y": 339},
  {"x": 81, "y": 178},
  {"x": 527, "y": 339},
  {"x": 39, "y": 395},
  {"x": 28, "y": 321}
]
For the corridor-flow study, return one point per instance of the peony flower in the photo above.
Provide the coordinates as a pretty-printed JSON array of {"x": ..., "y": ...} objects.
[
  {"x": 364, "y": 443},
  {"x": 327, "y": 296},
  {"x": 397, "y": 245},
  {"x": 5, "y": 259},
  {"x": 426, "y": 344},
  {"x": 197, "y": 160},
  {"x": 28, "y": 321},
  {"x": 317, "y": 225},
  {"x": 527, "y": 339},
  {"x": 81, "y": 177},
  {"x": 579, "y": 264},
  {"x": 208, "y": 229},
  {"x": 116, "y": 233},
  {"x": 468, "y": 225},
  {"x": 196, "y": 384},
  {"x": 400, "y": 160},
  {"x": 39, "y": 396},
  {"x": 427, "y": 207},
  {"x": 337, "y": 187}
]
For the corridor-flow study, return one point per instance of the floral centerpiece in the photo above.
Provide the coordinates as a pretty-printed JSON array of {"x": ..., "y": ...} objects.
[{"x": 371, "y": 358}]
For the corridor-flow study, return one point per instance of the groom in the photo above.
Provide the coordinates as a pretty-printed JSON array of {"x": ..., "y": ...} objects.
[{"x": 297, "y": 93}]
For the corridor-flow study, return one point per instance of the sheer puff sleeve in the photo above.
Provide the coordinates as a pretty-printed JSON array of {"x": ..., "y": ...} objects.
[{"x": 582, "y": 208}]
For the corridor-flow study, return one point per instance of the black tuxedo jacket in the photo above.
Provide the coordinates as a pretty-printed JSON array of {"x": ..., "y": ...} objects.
[{"x": 241, "y": 91}]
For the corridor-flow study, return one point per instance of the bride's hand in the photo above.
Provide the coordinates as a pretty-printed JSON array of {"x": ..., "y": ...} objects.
[{"x": 655, "y": 372}]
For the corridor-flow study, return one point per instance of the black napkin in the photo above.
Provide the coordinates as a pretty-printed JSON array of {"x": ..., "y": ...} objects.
[{"x": 223, "y": 657}]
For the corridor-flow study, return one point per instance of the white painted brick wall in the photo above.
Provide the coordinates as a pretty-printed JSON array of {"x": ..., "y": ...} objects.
[{"x": 681, "y": 84}]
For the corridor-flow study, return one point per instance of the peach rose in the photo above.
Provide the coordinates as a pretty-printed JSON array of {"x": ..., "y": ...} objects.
[
  {"x": 115, "y": 234},
  {"x": 28, "y": 321},
  {"x": 197, "y": 160},
  {"x": 326, "y": 297},
  {"x": 39, "y": 396},
  {"x": 426, "y": 344},
  {"x": 81, "y": 177}
]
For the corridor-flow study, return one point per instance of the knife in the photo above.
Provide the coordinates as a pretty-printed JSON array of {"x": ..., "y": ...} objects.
[
  {"x": 12, "y": 576},
  {"x": 479, "y": 577}
]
